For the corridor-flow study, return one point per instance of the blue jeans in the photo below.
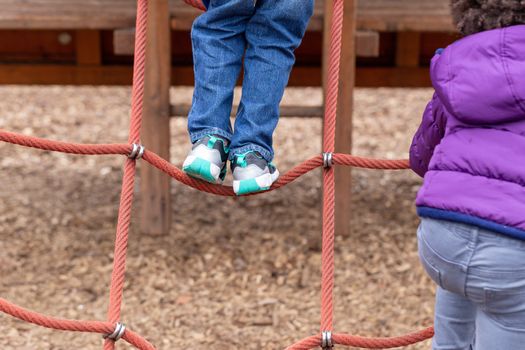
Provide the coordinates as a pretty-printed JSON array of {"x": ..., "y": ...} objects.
[
  {"x": 480, "y": 299},
  {"x": 265, "y": 33}
]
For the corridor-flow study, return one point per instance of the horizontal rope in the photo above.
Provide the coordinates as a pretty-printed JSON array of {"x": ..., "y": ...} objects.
[
  {"x": 71, "y": 325},
  {"x": 170, "y": 169},
  {"x": 366, "y": 343},
  {"x": 141, "y": 343},
  {"x": 64, "y": 147}
]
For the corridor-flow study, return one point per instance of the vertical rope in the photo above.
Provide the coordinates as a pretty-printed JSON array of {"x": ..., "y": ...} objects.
[
  {"x": 327, "y": 282},
  {"x": 139, "y": 72},
  {"x": 126, "y": 198},
  {"x": 334, "y": 63}
]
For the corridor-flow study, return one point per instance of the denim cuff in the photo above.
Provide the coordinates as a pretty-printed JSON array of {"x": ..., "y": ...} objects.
[
  {"x": 196, "y": 136},
  {"x": 267, "y": 155}
]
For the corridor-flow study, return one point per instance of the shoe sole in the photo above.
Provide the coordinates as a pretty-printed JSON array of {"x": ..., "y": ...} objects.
[
  {"x": 202, "y": 169},
  {"x": 257, "y": 184}
]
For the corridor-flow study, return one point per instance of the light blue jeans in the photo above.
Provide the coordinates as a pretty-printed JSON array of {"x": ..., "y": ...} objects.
[
  {"x": 480, "y": 299},
  {"x": 265, "y": 33}
]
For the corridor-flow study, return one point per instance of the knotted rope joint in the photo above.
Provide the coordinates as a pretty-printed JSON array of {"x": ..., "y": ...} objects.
[
  {"x": 326, "y": 341},
  {"x": 120, "y": 329},
  {"x": 137, "y": 151},
  {"x": 328, "y": 158}
]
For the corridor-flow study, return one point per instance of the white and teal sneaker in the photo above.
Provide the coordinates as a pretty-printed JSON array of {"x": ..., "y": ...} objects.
[
  {"x": 207, "y": 159},
  {"x": 252, "y": 173}
]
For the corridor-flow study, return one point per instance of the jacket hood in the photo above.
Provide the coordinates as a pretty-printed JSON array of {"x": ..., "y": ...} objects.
[{"x": 480, "y": 79}]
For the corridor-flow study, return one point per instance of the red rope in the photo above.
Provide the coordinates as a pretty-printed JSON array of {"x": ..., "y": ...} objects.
[
  {"x": 71, "y": 325},
  {"x": 332, "y": 94},
  {"x": 168, "y": 168},
  {"x": 64, "y": 147},
  {"x": 126, "y": 201},
  {"x": 128, "y": 181},
  {"x": 367, "y": 343},
  {"x": 196, "y": 3}
]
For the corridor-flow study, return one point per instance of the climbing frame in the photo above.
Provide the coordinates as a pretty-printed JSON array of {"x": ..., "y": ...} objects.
[{"x": 113, "y": 329}]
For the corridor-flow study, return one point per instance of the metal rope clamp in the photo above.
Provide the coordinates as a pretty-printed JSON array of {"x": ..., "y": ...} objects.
[
  {"x": 137, "y": 151},
  {"x": 328, "y": 158},
  {"x": 119, "y": 331},
  {"x": 326, "y": 341}
]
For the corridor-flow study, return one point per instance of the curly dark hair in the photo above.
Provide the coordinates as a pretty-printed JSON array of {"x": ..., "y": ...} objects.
[{"x": 473, "y": 16}]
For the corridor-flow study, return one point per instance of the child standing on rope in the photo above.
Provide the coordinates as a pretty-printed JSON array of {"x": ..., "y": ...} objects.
[
  {"x": 470, "y": 148},
  {"x": 265, "y": 33}
]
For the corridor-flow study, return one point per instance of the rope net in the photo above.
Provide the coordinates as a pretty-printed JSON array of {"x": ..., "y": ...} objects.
[{"x": 111, "y": 328}]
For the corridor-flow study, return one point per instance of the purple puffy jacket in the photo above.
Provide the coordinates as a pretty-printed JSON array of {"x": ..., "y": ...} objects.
[{"x": 470, "y": 146}]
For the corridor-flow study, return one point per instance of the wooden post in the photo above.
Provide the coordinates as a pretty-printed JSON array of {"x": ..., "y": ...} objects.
[
  {"x": 88, "y": 50},
  {"x": 407, "y": 49},
  {"x": 343, "y": 139},
  {"x": 155, "y": 186}
]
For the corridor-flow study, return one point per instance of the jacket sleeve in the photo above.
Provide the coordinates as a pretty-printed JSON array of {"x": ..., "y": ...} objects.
[{"x": 428, "y": 136}]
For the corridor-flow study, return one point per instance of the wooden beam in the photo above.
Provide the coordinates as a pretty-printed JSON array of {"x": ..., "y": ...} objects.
[
  {"x": 179, "y": 110},
  {"x": 155, "y": 185},
  {"x": 408, "y": 49},
  {"x": 53, "y": 74},
  {"x": 379, "y": 15},
  {"x": 343, "y": 137},
  {"x": 44, "y": 74},
  {"x": 124, "y": 41},
  {"x": 88, "y": 49},
  {"x": 393, "y": 77},
  {"x": 405, "y": 15},
  {"x": 367, "y": 42},
  {"x": 67, "y": 14}
]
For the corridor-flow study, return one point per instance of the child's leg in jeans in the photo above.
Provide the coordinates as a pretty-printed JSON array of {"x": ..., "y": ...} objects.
[
  {"x": 492, "y": 335},
  {"x": 273, "y": 33},
  {"x": 454, "y": 321},
  {"x": 497, "y": 280},
  {"x": 218, "y": 47},
  {"x": 444, "y": 255}
]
